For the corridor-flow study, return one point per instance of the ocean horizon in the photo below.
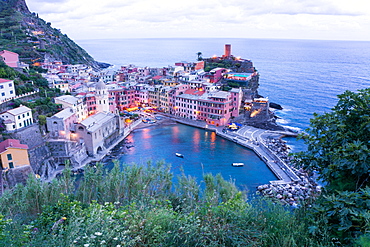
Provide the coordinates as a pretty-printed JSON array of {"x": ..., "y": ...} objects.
[{"x": 303, "y": 76}]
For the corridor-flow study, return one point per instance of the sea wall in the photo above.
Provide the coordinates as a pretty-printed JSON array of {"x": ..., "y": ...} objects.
[{"x": 40, "y": 157}]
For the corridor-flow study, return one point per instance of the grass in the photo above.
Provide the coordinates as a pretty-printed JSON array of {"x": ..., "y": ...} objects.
[{"x": 139, "y": 206}]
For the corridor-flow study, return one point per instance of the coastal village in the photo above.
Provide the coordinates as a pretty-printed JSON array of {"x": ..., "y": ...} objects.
[{"x": 100, "y": 108}]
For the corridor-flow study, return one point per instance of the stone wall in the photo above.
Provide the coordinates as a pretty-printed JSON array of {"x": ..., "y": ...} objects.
[
  {"x": 17, "y": 175},
  {"x": 40, "y": 156}
]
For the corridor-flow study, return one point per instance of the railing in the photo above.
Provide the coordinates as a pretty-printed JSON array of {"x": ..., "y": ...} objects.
[{"x": 18, "y": 96}]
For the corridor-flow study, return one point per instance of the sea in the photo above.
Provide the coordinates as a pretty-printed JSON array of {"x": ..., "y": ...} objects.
[{"x": 303, "y": 76}]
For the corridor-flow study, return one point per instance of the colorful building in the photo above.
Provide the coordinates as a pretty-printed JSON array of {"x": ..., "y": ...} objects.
[
  {"x": 215, "y": 108},
  {"x": 10, "y": 58},
  {"x": 13, "y": 154},
  {"x": 215, "y": 75}
]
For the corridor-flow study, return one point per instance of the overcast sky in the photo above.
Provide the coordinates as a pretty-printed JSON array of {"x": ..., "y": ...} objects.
[{"x": 282, "y": 19}]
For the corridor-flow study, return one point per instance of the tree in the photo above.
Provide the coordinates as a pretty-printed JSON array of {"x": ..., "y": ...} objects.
[
  {"x": 42, "y": 120},
  {"x": 199, "y": 54},
  {"x": 338, "y": 150},
  {"x": 338, "y": 143}
]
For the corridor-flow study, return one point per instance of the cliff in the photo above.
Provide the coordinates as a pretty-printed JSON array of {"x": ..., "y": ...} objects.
[{"x": 34, "y": 39}]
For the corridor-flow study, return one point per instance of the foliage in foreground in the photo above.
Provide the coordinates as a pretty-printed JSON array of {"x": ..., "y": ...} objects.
[
  {"x": 138, "y": 206},
  {"x": 339, "y": 152}
]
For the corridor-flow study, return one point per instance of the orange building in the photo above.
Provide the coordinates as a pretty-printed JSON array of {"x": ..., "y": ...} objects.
[{"x": 13, "y": 154}]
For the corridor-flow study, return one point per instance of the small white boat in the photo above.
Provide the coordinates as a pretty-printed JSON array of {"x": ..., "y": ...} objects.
[
  {"x": 237, "y": 164},
  {"x": 179, "y": 155}
]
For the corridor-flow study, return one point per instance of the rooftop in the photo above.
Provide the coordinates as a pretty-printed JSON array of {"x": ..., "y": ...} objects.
[
  {"x": 11, "y": 143},
  {"x": 194, "y": 92},
  {"x": 94, "y": 122},
  {"x": 67, "y": 99},
  {"x": 4, "y": 80},
  {"x": 64, "y": 114},
  {"x": 19, "y": 110}
]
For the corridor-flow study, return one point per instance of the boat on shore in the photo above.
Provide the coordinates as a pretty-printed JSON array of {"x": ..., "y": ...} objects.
[
  {"x": 237, "y": 164},
  {"x": 179, "y": 155}
]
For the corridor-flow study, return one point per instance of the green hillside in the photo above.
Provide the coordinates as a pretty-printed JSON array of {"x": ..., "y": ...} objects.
[{"x": 34, "y": 39}]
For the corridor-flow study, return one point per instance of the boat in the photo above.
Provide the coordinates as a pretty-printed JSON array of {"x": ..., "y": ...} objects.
[
  {"x": 179, "y": 155},
  {"x": 237, "y": 164}
]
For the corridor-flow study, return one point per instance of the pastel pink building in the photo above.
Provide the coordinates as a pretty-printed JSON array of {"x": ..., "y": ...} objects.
[
  {"x": 10, "y": 58},
  {"x": 90, "y": 101},
  {"x": 122, "y": 99},
  {"x": 216, "y": 74},
  {"x": 216, "y": 108}
]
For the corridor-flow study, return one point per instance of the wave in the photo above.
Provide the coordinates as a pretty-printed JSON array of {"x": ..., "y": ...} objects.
[
  {"x": 282, "y": 121},
  {"x": 294, "y": 129}
]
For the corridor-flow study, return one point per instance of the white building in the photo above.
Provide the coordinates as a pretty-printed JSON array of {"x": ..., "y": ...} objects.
[
  {"x": 60, "y": 124},
  {"x": 17, "y": 118},
  {"x": 102, "y": 97},
  {"x": 95, "y": 130},
  {"x": 76, "y": 103},
  {"x": 7, "y": 89}
]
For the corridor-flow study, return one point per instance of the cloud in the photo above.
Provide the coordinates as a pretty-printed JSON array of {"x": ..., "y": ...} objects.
[{"x": 115, "y": 18}]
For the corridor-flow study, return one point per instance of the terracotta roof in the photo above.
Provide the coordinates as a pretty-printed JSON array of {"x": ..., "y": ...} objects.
[
  {"x": 157, "y": 77},
  {"x": 194, "y": 92},
  {"x": 4, "y": 80},
  {"x": 13, "y": 143}
]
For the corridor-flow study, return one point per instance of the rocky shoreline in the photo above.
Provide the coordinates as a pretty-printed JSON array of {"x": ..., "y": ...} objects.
[{"x": 295, "y": 193}]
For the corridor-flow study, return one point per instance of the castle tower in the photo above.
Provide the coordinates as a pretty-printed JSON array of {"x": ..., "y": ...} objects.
[
  {"x": 101, "y": 96},
  {"x": 227, "y": 50}
]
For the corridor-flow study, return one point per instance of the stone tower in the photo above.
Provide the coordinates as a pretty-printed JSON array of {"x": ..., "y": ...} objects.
[
  {"x": 101, "y": 96},
  {"x": 227, "y": 51}
]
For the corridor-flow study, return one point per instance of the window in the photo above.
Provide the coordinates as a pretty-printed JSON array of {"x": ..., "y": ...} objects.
[
  {"x": 10, "y": 85},
  {"x": 9, "y": 156},
  {"x": 1, "y": 86},
  {"x": 11, "y": 92},
  {"x": 2, "y": 94},
  {"x": 11, "y": 165}
]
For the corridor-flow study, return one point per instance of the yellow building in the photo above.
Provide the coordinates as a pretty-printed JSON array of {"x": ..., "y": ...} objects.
[{"x": 13, "y": 154}]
